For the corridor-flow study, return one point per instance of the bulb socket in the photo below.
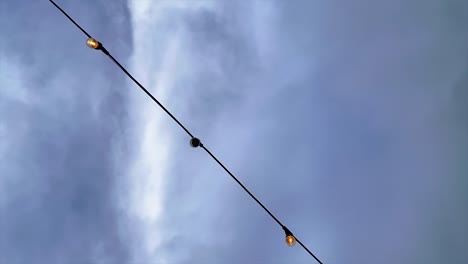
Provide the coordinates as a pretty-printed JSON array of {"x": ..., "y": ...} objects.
[{"x": 195, "y": 142}]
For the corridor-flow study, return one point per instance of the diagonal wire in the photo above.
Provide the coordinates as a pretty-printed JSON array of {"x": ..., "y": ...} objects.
[
  {"x": 125, "y": 71},
  {"x": 106, "y": 52},
  {"x": 253, "y": 197},
  {"x": 147, "y": 92},
  {"x": 71, "y": 19}
]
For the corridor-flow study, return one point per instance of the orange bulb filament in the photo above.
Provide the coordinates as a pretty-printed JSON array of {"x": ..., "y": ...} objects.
[
  {"x": 92, "y": 43},
  {"x": 290, "y": 240}
]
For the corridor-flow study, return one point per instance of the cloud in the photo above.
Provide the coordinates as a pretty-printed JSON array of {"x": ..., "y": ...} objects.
[
  {"x": 57, "y": 202},
  {"x": 347, "y": 120},
  {"x": 340, "y": 117}
]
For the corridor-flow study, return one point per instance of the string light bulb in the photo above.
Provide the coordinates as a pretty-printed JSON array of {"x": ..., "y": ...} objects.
[
  {"x": 93, "y": 43},
  {"x": 290, "y": 239}
]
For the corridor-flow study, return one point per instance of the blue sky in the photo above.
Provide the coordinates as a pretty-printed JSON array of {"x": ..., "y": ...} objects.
[{"x": 347, "y": 119}]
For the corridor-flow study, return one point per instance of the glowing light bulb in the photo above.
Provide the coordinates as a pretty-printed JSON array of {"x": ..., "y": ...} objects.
[
  {"x": 92, "y": 43},
  {"x": 290, "y": 240}
]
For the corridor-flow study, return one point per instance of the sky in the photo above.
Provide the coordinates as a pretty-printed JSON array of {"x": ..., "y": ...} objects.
[{"x": 347, "y": 119}]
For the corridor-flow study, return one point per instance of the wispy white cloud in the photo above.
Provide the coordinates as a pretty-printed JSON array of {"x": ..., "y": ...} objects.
[
  {"x": 179, "y": 46},
  {"x": 158, "y": 61}
]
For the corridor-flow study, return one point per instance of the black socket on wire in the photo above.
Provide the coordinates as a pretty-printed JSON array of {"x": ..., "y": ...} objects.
[{"x": 195, "y": 142}]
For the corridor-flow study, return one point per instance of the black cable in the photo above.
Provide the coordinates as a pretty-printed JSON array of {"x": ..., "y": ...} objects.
[
  {"x": 71, "y": 19},
  {"x": 198, "y": 142},
  {"x": 308, "y": 251},
  {"x": 241, "y": 185},
  {"x": 255, "y": 198},
  {"x": 146, "y": 91}
]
